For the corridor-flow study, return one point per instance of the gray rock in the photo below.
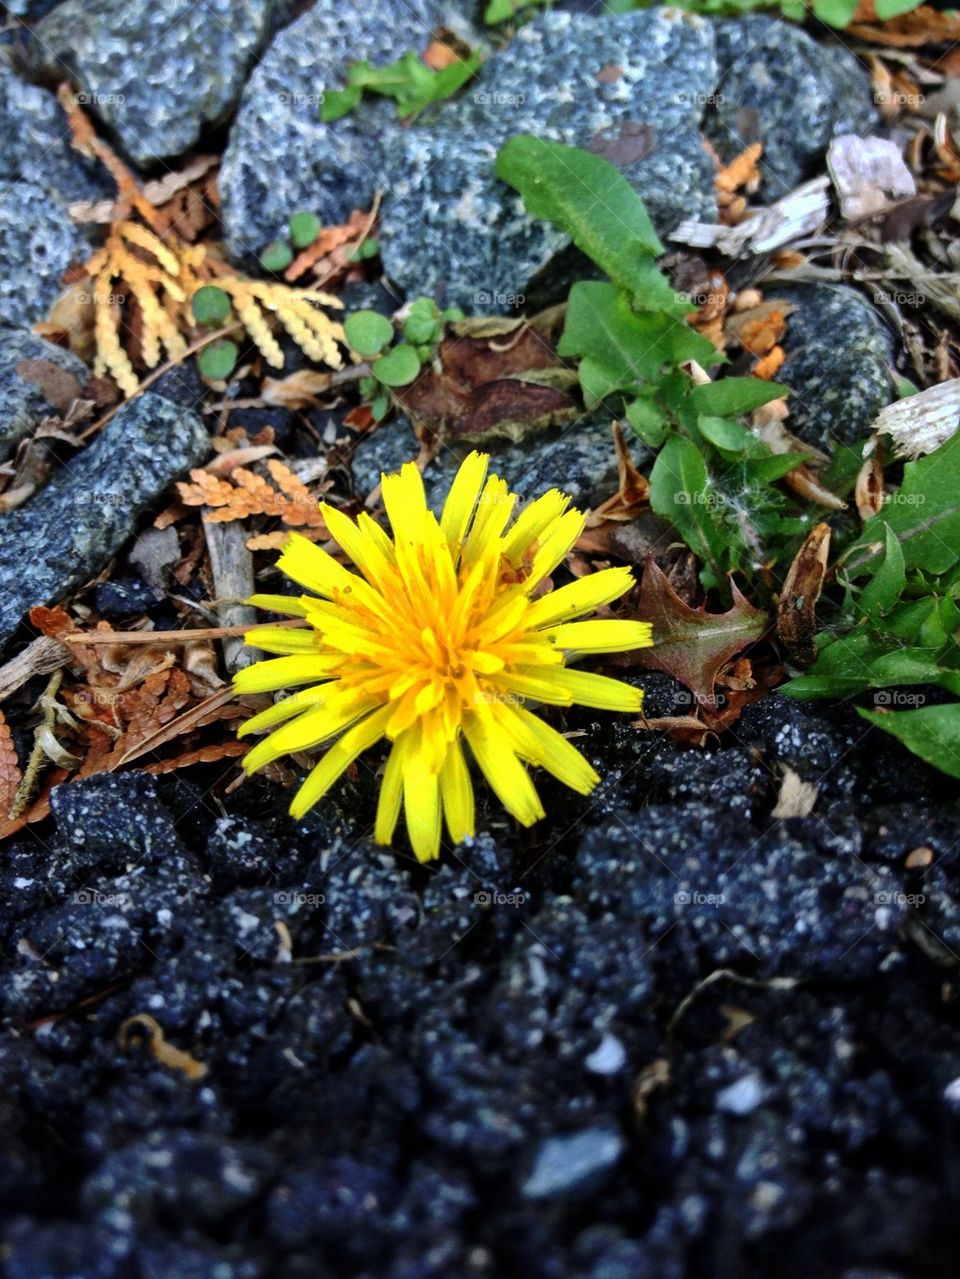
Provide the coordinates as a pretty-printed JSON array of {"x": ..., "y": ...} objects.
[
  {"x": 35, "y": 143},
  {"x": 280, "y": 157},
  {"x": 91, "y": 506},
  {"x": 37, "y": 244},
  {"x": 839, "y": 363},
  {"x": 155, "y": 72},
  {"x": 572, "y": 1162},
  {"x": 782, "y": 88},
  {"x": 578, "y": 458},
  {"x": 31, "y": 10},
  {"x": 450, "y": 227},
  {"x": 22, "y": 400}
]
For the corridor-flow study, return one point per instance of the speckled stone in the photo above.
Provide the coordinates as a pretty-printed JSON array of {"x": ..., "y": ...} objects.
[
  {"x": 22, "y": 401},
  {"x": 35, "y": 143},
  {"x": 782, "y": 88},
  {"x": 450, "y": 228},
  {"x": 155, "y": 72},
  {"x": 578, "y": 458},
  {"x": 37, "y": 244},
  {"x": 839, "y": 363},
  {"x": 91, "y": 506},
  {"x": 280, "y": 157}
]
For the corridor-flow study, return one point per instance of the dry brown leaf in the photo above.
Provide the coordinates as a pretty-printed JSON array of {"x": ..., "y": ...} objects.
[
  {"x": 768, "y": 366},
  {"x": 202, "y": 755},
  {"x": 797, "y": 611},
  {"x": 327, "y": 254},
  {"x": 10, "y": 772},
  {"x": 742, "y": 171},
  {"x": 796, "y": 798},
  {"x": 295, "y": 391},
  {"x": 868, "y": 493},
  {"x": 245, "y": 494}
]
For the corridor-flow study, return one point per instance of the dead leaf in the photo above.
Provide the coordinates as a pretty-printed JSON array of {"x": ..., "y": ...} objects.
[
  {"x": 58, "y": 386},
  {"x": 796, "y": 798},
  {"x": 691, "y": 644},
  {"x": 245, "y": 493},
  {"x": 867, "y": 174},
  {"x": 10, "y": 772},
  {"x": 868, "y": 492},
  {"x": 487, "y": 388},
  {"x": 742, "y": 171},
  {"x": 297, "y": 390},
  {"x": 796, "y": 613}
]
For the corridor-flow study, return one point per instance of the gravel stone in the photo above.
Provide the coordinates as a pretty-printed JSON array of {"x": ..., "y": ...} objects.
[
  {"x": 37, "y": 244},
  {"x": 65, "y": 534},
  {"x": 23, "y": 399}
]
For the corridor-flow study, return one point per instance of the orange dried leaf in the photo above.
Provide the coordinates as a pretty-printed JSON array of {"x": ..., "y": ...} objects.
[
  {"x": 10, "y": 772},
  {"x": 741, "y": 171}
]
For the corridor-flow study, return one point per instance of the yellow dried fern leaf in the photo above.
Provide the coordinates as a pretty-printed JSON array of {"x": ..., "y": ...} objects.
[{"x": 245, "y": 493}]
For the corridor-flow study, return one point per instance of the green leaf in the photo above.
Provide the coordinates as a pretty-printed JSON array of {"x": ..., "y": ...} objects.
[
  {"x": 730, "y": 438},
  {"x": 210, "y": 306},
  {"x": 380, "y": 406},
  {"x": 619, "y": 347},
  {"x": 679, "y": 492},
  {"x": 276, "y": 257},
  {"x": 731, "y": 396},
  {"x": 887, "y": 584},
  {"x": 932, "y": 732},
  {"x": 339, "y": 102},
  {"x": 589, "y": 199},
  {"x": 399, "y": 367},
  {"x": 924, "y": 514},
  {"x": 304, "y": 229},
  {"x": 835, "y": 13},
  {"x": 218, "y": 360},
  {"x": 423, "y": 325},
  {"x": 367, "y": 332},
  {"x": 648, "y": 421},
  {"x": 885, "y": 9}
]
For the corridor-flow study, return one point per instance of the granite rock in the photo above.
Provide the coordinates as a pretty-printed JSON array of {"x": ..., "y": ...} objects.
[
  {"x": 157, "y": 74},
  {"x": 66, "y": 533},
  {"x": 37, "y": 244},
  {"x": 35, "y": 143},
  {"x": 23, "y": 400},
  {"x": 280, "y": 157},
  {"x": 578, "y": 458},
  {"x": 788, "y": 91},
  {"x": 839, "y": 363},
  {"x": 631, "y": 86}
]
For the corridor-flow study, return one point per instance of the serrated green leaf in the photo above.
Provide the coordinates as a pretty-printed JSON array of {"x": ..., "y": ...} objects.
[
  {"x": 932, "y": 732},
  {"x": 367, "y": 332},
  {"x": 924, "y": 514},
  {"x": 589, "y": 199},
  {"x": 399, "y": 367}
]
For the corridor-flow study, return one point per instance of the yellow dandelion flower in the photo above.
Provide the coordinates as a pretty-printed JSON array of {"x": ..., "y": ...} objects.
[{"x": 442, "y": 639}]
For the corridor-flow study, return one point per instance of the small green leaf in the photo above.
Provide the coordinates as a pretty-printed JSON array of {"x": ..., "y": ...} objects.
[
  {"x": 218, "y": 360},
  {"x": 648, "y": 421},
  {"x": 680, "y": 492},
  {"x": 932, "y": 732},
  {"x": 304, "y": 229},
  {"x": 399, "y": 367},
  {"x": 380, "y": 406},
  {"x": 339, "y": 102},
  {"x": 210, "y": 306},
  {"x": 886, "y": 586},
  {"x": 886, "y": 9},
  {"x": 731, "y": 396},
  {"x": 835, "y": 13},
  {"x": 367, "y": 332},
  {"x": 276, "y": 257}
]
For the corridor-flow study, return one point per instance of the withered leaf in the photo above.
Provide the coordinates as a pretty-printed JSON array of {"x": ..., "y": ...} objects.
[
  {"x": 492, "y": 386},
  {"x": 691, "y": 644},
  {"x": 797, "y": 611},
  {"x": 58, "y": 385}
]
